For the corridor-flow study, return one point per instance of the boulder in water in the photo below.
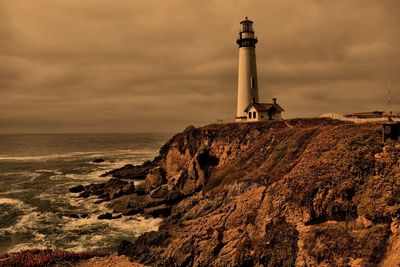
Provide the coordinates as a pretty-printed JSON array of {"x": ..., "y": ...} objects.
[
  {"x": 77, "y": 189},
  {"x": 105, "y": 216}
]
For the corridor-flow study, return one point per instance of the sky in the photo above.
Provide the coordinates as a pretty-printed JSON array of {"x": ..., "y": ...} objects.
[{"x": 160, "y": 65}]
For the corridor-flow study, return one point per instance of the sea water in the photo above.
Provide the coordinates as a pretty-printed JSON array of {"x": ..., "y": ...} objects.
[{"x": 36, "y": 171}]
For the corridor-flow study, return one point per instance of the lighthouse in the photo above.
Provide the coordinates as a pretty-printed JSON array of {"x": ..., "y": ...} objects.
[
  {"x": 248, "y": 106},
  {"x": 247, "y": 74}
]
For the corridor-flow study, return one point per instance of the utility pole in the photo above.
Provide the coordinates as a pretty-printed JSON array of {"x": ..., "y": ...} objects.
[{"x": 389, "y": 99}]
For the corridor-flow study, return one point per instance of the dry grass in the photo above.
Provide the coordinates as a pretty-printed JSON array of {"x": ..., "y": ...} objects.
[{"x": 39, "y": 257}]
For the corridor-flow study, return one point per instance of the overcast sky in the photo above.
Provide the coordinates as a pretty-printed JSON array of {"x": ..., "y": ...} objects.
[{"x": 127, "y": 66}]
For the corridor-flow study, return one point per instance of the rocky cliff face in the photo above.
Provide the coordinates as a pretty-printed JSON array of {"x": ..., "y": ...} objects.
[{"x": 314, "y": 192}]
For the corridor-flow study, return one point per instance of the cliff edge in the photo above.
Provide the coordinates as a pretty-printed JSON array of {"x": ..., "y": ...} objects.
[{"x": 303, "y": 192}]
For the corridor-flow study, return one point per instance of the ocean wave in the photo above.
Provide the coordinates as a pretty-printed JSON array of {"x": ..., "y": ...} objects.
[
  {"x": 15, "y": 191},
  {"x": 16, "y": 202},
  {"x": 54, "y": 171},
  {"x": 87, "y": 203},
  {"x": 94, "y": 175},
  {"x": 31, "y": 175},
  {"x": 25, "y": 246},
  {"x": 82, "y": 154},
  {"x": 27, "y": 220},
  {"x": 50, "y": 230},
  {"x": 83, "y": 178}
]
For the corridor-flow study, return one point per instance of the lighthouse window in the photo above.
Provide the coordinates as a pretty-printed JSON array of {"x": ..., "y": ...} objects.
[
  {"x": 250, "y": 115},
  {"x": 254, "y": 114},
  {"x": 252, "y": 82},
  {"x": 247, "y": 27}
]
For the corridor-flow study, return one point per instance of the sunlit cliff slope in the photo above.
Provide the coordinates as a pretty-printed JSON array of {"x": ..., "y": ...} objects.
[{"x": 303, "y": 192}]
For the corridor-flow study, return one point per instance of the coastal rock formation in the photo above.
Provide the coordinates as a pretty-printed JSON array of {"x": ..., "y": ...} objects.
[
  {"x": 77, "y": 189},
  {"x": 98, "y": 160},
  {"x": 130, "y": 171},
  {"x": 304, "y": 192}
]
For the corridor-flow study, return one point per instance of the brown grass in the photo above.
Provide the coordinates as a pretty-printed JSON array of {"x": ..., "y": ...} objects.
[{"x": 39, "y": 257}]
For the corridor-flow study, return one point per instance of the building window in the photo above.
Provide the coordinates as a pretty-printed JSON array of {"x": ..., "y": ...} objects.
[
  {"x": 252, "y": 82},
  {"x": 250, "y": 115},
  {"x": 247, "y": 26},
  {"x": 254, "y": 114}
]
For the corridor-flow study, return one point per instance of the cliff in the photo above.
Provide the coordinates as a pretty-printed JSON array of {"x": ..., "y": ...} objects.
[{"x": 305, "y": 192}]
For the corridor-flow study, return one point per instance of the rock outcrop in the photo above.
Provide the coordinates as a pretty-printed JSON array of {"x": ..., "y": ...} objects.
[{"x": 304, "y": 192}]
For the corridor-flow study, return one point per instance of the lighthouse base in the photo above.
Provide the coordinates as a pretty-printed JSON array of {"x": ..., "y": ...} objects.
[{"x": 241, "y": 119}]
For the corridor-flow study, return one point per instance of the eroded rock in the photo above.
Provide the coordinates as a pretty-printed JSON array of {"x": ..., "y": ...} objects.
[{"x": 77, "y": 189}]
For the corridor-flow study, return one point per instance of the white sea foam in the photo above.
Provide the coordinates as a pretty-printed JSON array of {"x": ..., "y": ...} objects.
[
  {"x": 15, "y": 191},
  {"x": 88, "y": 203},
  {"x": 16, "y": 202},
  {"x": 130, "y": 226},
  {"x": 28, "y": 220},
  {"x": 93, "y": 176},
  {"x": 81, "y": 154},
  {"x": 82, "y": 177},
  {"x": 136, "y": 224},
  {"x": 49, "y": 171},
  {"x": 25, "y": 246},
  {"x": 52, "y": 197},
  {"x": 23, "y": 173}
]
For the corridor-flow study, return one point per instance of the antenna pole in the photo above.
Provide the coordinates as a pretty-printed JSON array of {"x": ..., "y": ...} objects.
[{"x": 389, "y": 99}]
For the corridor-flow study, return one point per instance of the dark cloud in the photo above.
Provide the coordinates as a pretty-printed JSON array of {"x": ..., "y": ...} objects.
[{"x": 89, "y": 66}]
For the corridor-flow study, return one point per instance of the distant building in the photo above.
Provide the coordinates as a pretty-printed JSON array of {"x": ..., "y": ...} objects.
[
  {"x": 248, "y": 106},
  {"x": 362, "y": 117}
]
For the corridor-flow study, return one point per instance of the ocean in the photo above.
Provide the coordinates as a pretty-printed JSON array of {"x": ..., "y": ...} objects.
[{"x": 36, "y": 171}]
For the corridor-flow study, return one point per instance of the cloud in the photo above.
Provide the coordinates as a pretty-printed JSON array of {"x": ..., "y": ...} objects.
[{"x": 84, "y": 66}]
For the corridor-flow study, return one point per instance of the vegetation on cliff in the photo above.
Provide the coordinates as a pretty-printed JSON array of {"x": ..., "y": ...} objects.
[
  {"x": 47, "y": 257},
  {"x": 303, "y": 192}
]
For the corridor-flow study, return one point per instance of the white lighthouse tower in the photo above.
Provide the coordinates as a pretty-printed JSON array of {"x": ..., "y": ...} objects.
[
  {"x": 247, "y": 75},
  {"x": 249, "y": 109}
]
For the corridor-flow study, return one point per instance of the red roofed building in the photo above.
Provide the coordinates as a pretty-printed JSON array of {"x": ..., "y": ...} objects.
[{"x": 264, "y": 111}]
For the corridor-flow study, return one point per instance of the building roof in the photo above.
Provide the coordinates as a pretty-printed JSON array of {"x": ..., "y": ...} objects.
[
  {"x": 264, "y": 107},
  {"x": 368, "y": 114}
]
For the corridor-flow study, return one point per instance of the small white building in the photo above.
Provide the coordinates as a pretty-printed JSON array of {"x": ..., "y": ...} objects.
[
  {"x": 264, "y": 111},
  {"x": 362, "y": 117}
]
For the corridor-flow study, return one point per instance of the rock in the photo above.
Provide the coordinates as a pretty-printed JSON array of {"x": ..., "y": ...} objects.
[
  {"x": 130, "y": 171},
  {"x": 160, "y": 192},
  {"x": 74, "y": 216},
  {"x": 140, "y": 190},
  {"x": 98, "y": 160},
  {"x": 85, "y": 194},
  {"x": 93, "y": 189},
  {"x": 131, "y": 211},
  {"x": 117, "y": 216},
  {"x": 133, "y": 204},
  {"x": 122, "y": 204},
  {"x": 154, "y": 179},
  {"x": 142, "y": 247},
  {"x": 162, "y": 210},
  {"x": 99, "y": 201},
  {"x": 265, "y": 194},
  {"x": 77, "y": 189},
  {"x": 116, "y": 193},
  {"x": 105, "y": 216},
  {"x": 128, "y": 189},
  {"x": 84, "y": 215}
]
